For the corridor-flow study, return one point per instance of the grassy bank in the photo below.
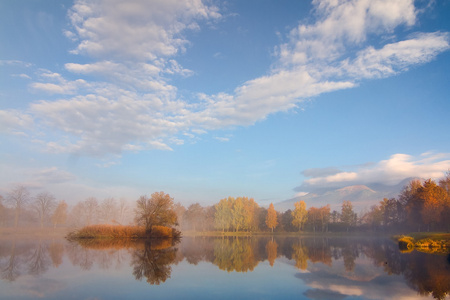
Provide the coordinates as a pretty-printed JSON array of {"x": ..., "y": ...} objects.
[
  {"x": 122, "y": 232},
  {"x": 430, "y": 242}
]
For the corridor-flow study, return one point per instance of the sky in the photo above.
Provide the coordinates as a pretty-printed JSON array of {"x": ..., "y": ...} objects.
[{"x": 209, "y": 99}]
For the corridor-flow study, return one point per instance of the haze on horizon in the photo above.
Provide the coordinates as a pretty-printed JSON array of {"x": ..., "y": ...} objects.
[{"x": 209, "y": 99}]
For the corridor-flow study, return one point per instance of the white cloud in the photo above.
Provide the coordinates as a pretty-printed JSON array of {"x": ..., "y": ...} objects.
[
  {"x": 222, "y": 139},
  {"x": 15, "y": 122},
  {"x": 137, "y": 29},
  {"x": 390, "y": 172},
  {"x": 51, "y": 176},
  {"x": 131, "y": 105}
]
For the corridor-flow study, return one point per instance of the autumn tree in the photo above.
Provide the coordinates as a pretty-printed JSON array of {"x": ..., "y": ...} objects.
[
  {"x": 433, "y": 199},
  {"x": 43, "y": 205},
  {"x": 238, "y": 213},
  {"x": 223, "y": 214},
  {"x": 348, "y": 216},
  {"x": 299, "y": 214},
  {"x": 156, "y": 210},
  {"x": 313, "y": 217},
  {"x": 412, "y": 203},
  {"x": 444, "y": 183},
  {"x": 60, "y": 214},
  {"x": 271, "y": 218},
  {"x": 324, "y": 217},
  {"x": 18, "y": 197}
]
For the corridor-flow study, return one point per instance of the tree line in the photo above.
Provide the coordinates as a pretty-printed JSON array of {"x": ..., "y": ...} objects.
[{"x": 421, "y": 205}]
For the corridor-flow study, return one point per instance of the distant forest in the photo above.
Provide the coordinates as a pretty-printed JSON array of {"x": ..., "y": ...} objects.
[{"x": 421, "y": 206}]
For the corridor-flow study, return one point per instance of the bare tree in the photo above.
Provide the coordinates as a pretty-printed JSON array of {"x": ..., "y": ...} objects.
[
  {"x": 108, "y": 210},
  {"x": 92, "y": 209},
  {"x": 122, "y": 210},
  {"x": 18, "y": 197},
  {"x": 60, "y": 214},
  {"x": 43, "y": 205}
]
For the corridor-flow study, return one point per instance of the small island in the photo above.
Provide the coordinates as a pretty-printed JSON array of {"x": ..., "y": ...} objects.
[{"x": 154, "y": 217}]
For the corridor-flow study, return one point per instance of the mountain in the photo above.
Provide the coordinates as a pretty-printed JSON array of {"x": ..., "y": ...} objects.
[{"x": 361, "y": 196}]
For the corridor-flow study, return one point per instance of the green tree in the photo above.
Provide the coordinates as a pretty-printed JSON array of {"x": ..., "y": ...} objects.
[
  {"x": 299, "y": 214},
  {"x": 271, "y": 218},
  {"x": 223, "y": 214},
  {"x": 156, "y": 210}
]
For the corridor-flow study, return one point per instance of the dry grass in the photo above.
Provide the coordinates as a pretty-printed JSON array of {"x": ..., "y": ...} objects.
[
  {"x": 108, "y": 231},
  {"x": 121, "y": 231}
]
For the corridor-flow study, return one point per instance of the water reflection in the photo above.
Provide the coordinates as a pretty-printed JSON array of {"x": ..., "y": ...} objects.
[{"x": 331, "y": 268}]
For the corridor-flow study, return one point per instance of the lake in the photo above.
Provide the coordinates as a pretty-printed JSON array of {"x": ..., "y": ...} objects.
[{"x": 220, "y": 268}]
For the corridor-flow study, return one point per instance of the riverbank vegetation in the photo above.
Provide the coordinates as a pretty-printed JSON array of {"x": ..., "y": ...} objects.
[
  {"x": 429, "y": 242},
  {"x": 421, "y": 206},
  {"x": 123, "y": 232}
]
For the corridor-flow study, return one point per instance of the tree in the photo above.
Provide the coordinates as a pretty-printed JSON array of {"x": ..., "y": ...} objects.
[
  {"x": 43, "y": 204},
  {"x": 348, "y": 216},
  {"x": 271, "y": 218},
  {"x": 223, "y": 214},
  {"x": 92, "y": 210},
  {"x": 238, "y": 213},
  {"x": 299, "y": 214},
  {"x": 156, "y": 210},
  {"x": 412, "y": 203},
  {"x": 433, "y": 197},
  {"x": 108, "y": 210},
  {"x": 18, "y": 197},
  {"x": 194, "y": 215},
  {"x": 2, "y": 212},
  {"x": 60, "y": 214}
]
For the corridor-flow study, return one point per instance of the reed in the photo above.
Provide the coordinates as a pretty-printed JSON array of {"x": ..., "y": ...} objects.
[{"x": 122, "y": 231}]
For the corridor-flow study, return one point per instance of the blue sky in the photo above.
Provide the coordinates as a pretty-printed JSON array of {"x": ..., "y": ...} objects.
[{"x": 209, "y": 99}]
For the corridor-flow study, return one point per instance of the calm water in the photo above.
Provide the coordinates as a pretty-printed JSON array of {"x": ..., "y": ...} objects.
[{"x": 221, "y": 268}]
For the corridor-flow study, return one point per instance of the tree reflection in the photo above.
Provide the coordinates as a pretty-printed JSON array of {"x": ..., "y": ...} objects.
[
  {"x": 11, "y": 266},
  {"x": 234, "y": 254},
  {"x": 346, "y": 263},
  {"x": 153, "y": 261},
  {"x": 39, "y": 261},
  {"x": 300, "y": 255},
  {"x": 271, "y": 249},
  {"x": 56, "y": 252}
]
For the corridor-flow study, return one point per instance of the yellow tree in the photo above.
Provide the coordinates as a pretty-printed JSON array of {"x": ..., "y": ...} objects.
[
  {"x": 299, "y": 214},
  {"x": 433, "y": 197},
  {"x": 271, "y": 218}
]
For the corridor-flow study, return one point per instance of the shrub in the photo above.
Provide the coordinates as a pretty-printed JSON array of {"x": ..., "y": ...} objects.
[{"x": 405, "y": 242}]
